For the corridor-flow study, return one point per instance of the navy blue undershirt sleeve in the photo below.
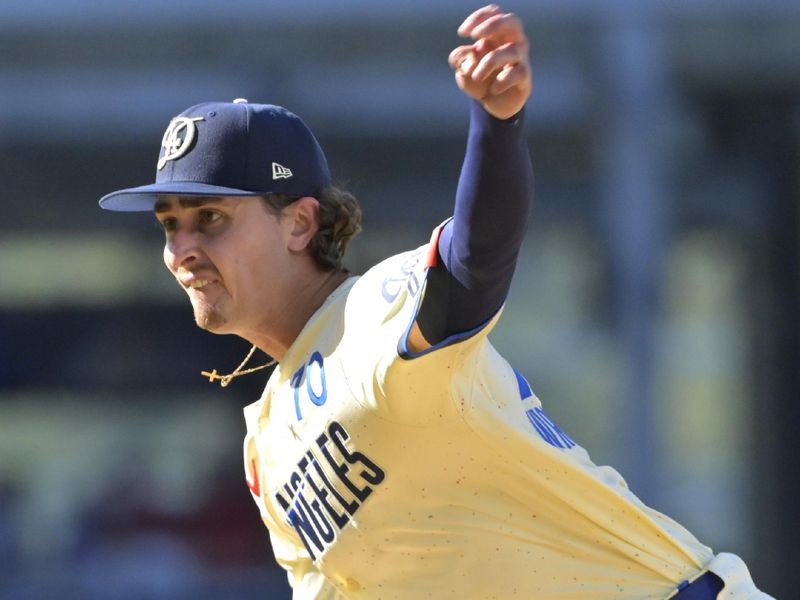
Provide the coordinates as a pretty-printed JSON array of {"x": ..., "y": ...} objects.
[{"x": 478, "y": 247}]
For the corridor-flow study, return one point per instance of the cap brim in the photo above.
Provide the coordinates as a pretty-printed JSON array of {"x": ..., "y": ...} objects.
[{"x": 143, "y": 198}]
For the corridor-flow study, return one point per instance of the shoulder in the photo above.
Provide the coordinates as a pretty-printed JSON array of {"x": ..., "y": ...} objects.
[
  {"x": 389, "y": 286},
  {"x": 379, "y": 308},
  {"x": 395, "y": 275}
]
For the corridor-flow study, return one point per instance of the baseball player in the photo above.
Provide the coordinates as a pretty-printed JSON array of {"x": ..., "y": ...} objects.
[{"x": 394, "y": 453}]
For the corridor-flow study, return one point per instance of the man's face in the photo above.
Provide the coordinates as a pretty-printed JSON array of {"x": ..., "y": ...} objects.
[{"x": 226, "y": 253}]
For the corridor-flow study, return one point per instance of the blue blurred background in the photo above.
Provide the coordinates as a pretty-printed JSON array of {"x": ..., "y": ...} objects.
[{"x": 655, "y": 307}]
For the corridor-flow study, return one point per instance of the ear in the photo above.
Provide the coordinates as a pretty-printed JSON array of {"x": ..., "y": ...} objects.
[{"x": 304, "y": 215}]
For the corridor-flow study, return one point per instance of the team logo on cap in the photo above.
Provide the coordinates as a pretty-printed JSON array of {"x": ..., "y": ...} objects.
[{"x": 178, "y": 139}]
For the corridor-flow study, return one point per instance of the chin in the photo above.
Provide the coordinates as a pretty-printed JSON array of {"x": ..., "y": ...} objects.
[{"x": 210, "y": 320}]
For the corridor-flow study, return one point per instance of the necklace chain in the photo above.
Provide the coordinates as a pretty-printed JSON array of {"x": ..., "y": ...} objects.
[{"x": 224, "y": 380}]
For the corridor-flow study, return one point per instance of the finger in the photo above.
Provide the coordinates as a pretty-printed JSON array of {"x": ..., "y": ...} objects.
[
  {"x": 508, "y": 54},
  {"x": 506, "y": 27},
  {"x": 476, "y": 18},
  {"x": 483, "y": 46},
  {"x": 511, "y": 76},
  {"x": 472, "y": 88},
  {"x": 462, "y": 59}
]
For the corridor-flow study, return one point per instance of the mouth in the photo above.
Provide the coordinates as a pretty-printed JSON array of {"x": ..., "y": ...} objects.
[
  {"x": 197, "y": 284},
  {"x": 194, "y": 281}
]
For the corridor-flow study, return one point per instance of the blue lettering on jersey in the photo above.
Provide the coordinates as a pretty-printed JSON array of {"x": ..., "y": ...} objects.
[
  {"x": 316, "y": 386},
  {"x": 525, "y": 390},
  {"x": 549, "y": 431},
  {"x": 319, "y": 376},
  {"x": 297, "y": 378},
  {"x": 544, "y": 426},
  {"x": 404, "y": 277},
  {"x": 327, "y": 488}
]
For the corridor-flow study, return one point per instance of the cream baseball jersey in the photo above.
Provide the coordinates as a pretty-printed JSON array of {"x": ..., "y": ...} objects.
[{"x": 385, "y": 474}]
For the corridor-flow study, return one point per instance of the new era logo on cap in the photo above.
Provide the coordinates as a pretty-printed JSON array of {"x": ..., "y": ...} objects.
[{"x": 280, "y": 172}]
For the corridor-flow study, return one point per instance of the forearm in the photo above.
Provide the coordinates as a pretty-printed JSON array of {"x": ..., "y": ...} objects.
[{"x": 478, "y": 248}]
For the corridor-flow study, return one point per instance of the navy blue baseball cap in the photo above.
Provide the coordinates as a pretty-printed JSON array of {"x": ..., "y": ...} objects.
[{"x": 231, "y": 149}]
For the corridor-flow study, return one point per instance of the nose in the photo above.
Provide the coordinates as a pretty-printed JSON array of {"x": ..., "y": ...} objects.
[{"x": 181, "y": 249}]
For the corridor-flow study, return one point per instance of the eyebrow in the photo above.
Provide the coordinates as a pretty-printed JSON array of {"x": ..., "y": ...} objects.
[{"x": 186, "y": 202}]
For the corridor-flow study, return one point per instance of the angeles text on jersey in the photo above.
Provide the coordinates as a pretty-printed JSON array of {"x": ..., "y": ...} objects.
[{"x": 314, "y": 505}]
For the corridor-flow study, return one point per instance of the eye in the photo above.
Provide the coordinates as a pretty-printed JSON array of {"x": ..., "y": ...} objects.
[
  {"x": 169, "y": 223},
  {"x": 207, "y": 217}
]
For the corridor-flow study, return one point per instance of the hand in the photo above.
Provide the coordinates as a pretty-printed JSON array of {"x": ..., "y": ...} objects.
[{"x": 494, "y": 69}]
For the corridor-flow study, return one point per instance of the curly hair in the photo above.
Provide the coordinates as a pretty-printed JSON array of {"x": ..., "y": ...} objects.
[{"x": 339, "y": 222}]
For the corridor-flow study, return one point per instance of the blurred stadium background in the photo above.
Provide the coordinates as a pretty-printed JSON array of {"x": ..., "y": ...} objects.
[{"x": 655, "y": 308}]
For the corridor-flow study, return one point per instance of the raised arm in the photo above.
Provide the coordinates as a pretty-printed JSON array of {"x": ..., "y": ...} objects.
[{"x": 478, "y": 248}]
